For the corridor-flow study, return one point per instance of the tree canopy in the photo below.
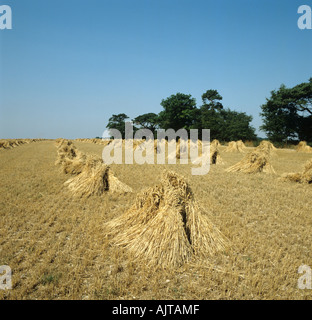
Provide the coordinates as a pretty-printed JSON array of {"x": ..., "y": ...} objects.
[
  {"x": 117, "y": 121},
  {"x": 224, "y": 124},
  {"x": 147, "y": 121},
  {"x": 287, "y": 114},
  {"x": 211, "y": 100},
  {"x": 180, "y": 112}
]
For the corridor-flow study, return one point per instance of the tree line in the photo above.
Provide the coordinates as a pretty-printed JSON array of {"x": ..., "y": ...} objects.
[
  {"x": 287, "y": 116},
  {"x": 180, "y": 112}
]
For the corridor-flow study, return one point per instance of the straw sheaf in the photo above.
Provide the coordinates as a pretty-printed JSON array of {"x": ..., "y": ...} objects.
[
  {"x": 256, "y": 161},
  {"x": 301, "y": 177},
  {"x": 194, "y": 147},
  {"x": 215, "y": 157},
  {"x": 77, "y": 164},
  {"x": 182, "y": 146},
  {"x": 93, "y": 177},
  {"x": 303, "y": 147},
  {"x": 66, "y": 153},
  {"x": 235, "y": 146},
  {"x": 215, "y": 143},
  {"x": 13, "y": 143},
  {"x": 116, "y": 186},
  {"x": 241, "y": 144},
  {"x": 136, "y": 143},
  {"x": 165, "y": 226},
  {"x": 66, "y": 148},
  {"x": 160, "y": 145},
  {"x": 184, "y": 149},
  {"x": 267, "y": 146},
  {"x": 308, "y": 166},
  {"x": 91, "y": 181},
  {"x": 96, "y": 141}
]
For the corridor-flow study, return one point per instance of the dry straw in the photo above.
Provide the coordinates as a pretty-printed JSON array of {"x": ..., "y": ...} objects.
[
  {"x": 93, "y": 177},
  {"x": 182, "y": 149},
  {"x": 96, "y": 178},
  {"x": 160, "y": 146},
  {"x": 267, "y": 146},
  {"x": 65, "y": 151},
  {"x": 256, "y": 161},
  {"x": 98, "y": 141},
  {"x": 66, "y": 147},
  {"x": 215, "y": 157},
  {"x": 12, "y": 143},
  {"x": 241, "y": 144},
  {"x": 93, "y": 180},
  {"x": 186, "y": 149},
  {"x": 235, "y": 146},
  {"x": 303, "y": 147},
  {"x": 71, "y": 160},
  {"x": 77, "y": 164},
  {"x": 137, "y": 142},
  {"x": 216, "y": 143},
  {"x": 302, "y": 177},
  {"x": 165, "y": 226}
]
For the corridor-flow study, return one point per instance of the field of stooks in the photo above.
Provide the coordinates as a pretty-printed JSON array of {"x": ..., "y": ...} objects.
[{"x": 72, "y": 227}]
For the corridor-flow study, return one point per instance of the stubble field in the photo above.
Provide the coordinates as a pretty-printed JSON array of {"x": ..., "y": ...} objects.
[{"x": 57, "y": 248}]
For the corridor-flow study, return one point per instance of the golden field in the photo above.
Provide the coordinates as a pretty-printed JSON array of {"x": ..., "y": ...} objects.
[{"x": 57, "y": 248}]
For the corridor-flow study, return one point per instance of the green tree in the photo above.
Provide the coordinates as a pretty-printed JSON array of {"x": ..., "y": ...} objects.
[
  {"x": 209, "y": 116},
  {"x": 211, "y": 100},
  {"x": 224, "y": 124},
  {"x": 117, "y": 121},
  {"x": 179, "y": 112},
  {"x": 236, "y": 126},
  {"x": 147, "y": 121},
  {"x": 287, "y": 114}
]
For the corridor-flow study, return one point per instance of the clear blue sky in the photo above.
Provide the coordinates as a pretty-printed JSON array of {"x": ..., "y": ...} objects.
[{"x": 67, "y": 66}]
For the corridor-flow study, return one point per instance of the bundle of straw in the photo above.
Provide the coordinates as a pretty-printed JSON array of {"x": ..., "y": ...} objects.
[
  {"x": 267, "y": 146},
  {"x": 302, "y": 177},
  {"x": 65, "y": 151},
  {"x": 12, "y": 143},
  {"x": 215, "y": 143},
  {"x": 215, "y": 157},
  {"x": 255, "y": 161},
  {"x": 303, "y": 147},
  {"x": 165, "y": 225},
  {"x": 235, "y": 146},
  {"x": 93, "y": 177}
]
